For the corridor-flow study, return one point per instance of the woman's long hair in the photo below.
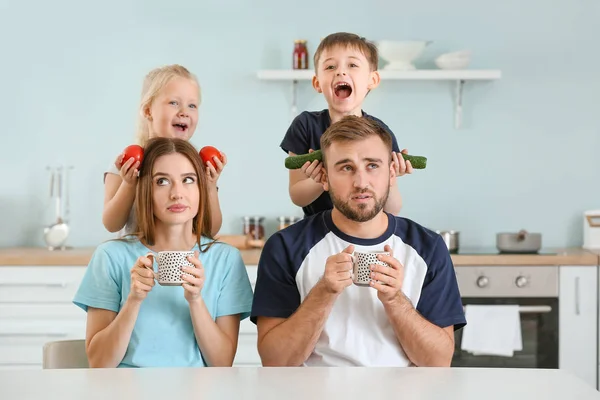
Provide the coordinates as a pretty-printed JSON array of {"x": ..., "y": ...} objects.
[{"x": 144, "y": 224}]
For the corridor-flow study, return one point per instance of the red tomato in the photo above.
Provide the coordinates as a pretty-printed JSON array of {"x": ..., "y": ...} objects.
[
  {"x": 208, "y": 152},
  {"x": 135, "y": 151}
]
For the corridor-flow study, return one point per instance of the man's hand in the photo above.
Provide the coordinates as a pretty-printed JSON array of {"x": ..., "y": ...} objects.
[
  {"x": 338, "y": 271},
  {"x": 387, "y": 280}
]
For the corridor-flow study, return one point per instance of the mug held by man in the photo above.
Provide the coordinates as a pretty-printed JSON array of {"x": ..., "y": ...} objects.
[
  {"x": 361, "y": 266},
  {"x": 169, "y": 266}
]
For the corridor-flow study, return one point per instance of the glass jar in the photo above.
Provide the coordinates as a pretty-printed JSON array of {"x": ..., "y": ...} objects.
[
  {"x": 300, "y": 55},
  {"x": 253, "y": 227},
  {"x": 284, "y": 222}
]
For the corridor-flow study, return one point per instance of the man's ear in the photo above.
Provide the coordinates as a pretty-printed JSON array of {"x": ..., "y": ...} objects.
[
  {"x": 316, "y": 84},
  {"x": 392, "y": 172},
  {"x": 324, "y": 181}
]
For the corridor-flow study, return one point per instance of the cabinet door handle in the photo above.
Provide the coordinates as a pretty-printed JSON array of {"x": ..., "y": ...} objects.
[
  {"x": 31, "y": 334},
  {"x": 20, "y": 364},
  {"x": 577, "y": 308},
  {"x": 34, "y": 284},
  {"x": 531, "y": 309}
]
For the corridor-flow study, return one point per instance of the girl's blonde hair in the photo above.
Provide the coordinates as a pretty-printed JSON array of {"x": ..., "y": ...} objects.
[{"x": 154, "y": 82}]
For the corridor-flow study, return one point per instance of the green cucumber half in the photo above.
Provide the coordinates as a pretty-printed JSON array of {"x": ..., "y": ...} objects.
[{"x": 296, "y": 162}]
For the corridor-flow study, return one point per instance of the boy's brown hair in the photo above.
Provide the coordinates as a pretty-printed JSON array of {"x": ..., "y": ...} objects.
[
  {"x": 345, "y": 39},
  {"x": 352, "y": 128}
]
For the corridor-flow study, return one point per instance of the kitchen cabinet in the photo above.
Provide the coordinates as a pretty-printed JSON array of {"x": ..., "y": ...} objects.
[
  {"x": 36, "y": 307},
  {"x": 578, "y": 322},
  {"x": 247, "y": 353}
]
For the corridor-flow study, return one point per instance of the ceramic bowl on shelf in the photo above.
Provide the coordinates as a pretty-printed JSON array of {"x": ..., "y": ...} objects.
[
  {"x": 455, "y": 60},
  {"x": 400, "y": 54}
]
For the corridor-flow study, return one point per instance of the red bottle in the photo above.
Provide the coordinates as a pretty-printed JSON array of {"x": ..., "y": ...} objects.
[{"x": 300, "y": 55}]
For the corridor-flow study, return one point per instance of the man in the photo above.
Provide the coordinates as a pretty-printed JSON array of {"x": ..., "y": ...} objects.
[{"x": 306, "y": 307}]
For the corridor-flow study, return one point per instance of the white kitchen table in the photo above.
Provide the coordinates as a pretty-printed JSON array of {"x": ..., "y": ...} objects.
[{"x": 293, "y": 383}]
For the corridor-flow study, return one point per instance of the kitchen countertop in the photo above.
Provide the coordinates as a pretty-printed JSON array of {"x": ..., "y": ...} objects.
[
  {"x": 29, "y": 256},
  {"x": 294, "y": 383},
  {"x": 549, "y": 256}
]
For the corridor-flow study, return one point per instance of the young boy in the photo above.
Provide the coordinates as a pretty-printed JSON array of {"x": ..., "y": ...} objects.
[{"x": 345, "y": 72}]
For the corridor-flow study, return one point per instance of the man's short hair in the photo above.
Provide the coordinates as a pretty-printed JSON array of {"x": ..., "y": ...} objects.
[{"x": 352, "y": 128}]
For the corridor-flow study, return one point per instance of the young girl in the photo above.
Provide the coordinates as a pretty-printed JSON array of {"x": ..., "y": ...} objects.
[
  {"x": 131, "y": 321},
  {"x": 168, "y": 108}
]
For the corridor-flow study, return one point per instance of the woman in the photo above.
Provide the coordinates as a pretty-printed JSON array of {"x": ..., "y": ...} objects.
[{"x": 132, "y": 322}]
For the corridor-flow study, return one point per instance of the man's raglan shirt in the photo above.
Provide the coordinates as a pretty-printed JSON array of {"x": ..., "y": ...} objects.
[{"x": 357, "y": 331}]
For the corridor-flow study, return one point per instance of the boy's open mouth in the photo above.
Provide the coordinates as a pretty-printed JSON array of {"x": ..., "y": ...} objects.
[
  {"x": 342, "y": 90},
  {"x": 180, "y": 127}
]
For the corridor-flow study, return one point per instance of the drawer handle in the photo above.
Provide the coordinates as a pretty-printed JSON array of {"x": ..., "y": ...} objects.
[
  {"x": 20, "y": 364},
  {"x": 30, "y": 334},
  {"x": 532, "y": 309},
  {"x": 34, "y": 284},
  {"x": 577, "y": 309}
]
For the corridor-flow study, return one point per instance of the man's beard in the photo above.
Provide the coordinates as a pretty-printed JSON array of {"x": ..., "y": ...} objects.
[{"x": 362, "y": 213}]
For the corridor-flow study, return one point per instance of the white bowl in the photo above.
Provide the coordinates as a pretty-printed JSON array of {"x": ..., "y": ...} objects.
[
  {"x": 401, "y": 54},
  {"x": 454, "y": 60}
]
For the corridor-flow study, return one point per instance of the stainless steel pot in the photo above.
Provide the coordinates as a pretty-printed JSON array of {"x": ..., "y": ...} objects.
[
  {"x": 519, "y": 242},
  {"x": 451, "y": 240}
]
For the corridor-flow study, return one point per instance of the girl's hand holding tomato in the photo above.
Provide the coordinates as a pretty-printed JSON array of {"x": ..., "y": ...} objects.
[
  {"x": 129, "y": 162},
  {"x": 214, "y": 160}
]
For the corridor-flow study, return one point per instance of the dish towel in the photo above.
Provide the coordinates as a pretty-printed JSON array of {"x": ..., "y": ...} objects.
[{"x": 492, "y": 330}]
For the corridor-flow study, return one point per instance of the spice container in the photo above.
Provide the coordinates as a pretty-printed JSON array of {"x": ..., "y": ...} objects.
[
  {"x": 253, "y": 228},
  {"x": 300, "y": 55},
  {"x": 284, "y": 222}
]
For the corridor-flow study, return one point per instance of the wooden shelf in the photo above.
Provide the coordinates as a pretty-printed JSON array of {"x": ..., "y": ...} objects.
[{"x": 458, "y": 76}]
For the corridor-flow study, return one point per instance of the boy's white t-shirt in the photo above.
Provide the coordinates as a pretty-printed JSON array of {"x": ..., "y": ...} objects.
[{"x": 130, "y": 224}]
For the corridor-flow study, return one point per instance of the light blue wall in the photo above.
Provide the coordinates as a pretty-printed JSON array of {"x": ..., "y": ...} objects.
[{"x": 527, "y": 157}]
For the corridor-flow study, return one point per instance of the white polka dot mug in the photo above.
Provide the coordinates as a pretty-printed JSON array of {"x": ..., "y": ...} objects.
[
  {"x": 169, "y": 266},
  {"x": 361, "y": 266}
]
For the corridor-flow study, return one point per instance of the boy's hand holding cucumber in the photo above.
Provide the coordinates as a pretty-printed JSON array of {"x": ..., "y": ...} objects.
[{"x": 312, "y": 170}]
